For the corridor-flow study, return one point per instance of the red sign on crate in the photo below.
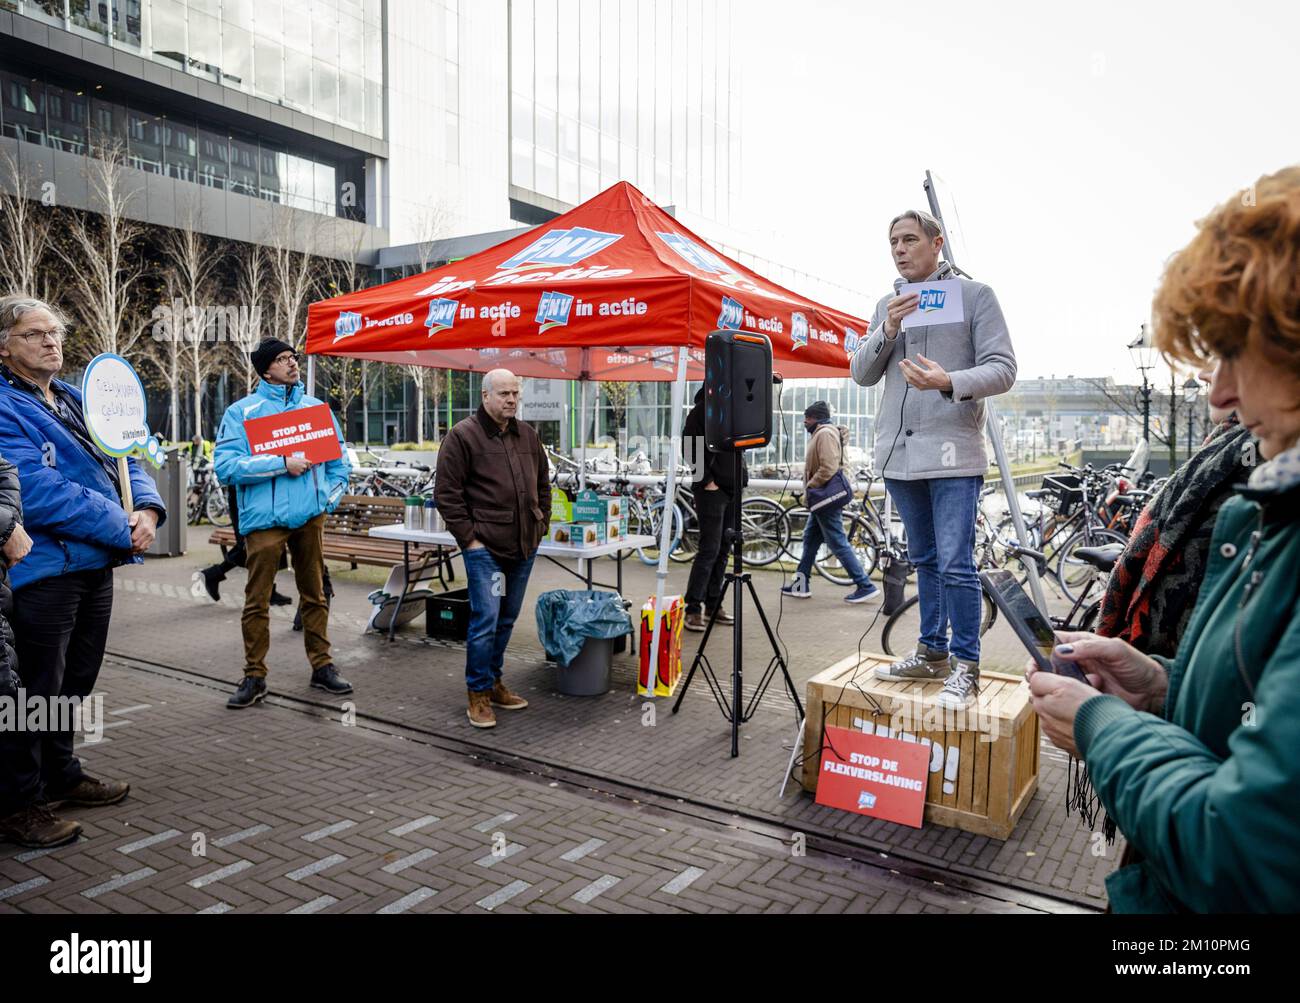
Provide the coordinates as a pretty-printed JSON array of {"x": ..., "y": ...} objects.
[
  {"x": 309, "y": 433},
  {"x": 872, "y": 775}
]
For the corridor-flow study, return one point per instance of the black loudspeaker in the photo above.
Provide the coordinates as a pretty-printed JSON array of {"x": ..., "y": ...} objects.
[{"x": 737, "y": 391}]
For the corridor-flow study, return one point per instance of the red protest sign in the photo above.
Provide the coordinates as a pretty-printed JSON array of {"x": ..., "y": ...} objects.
[
  {"x": 309, "y": 433},
  {"x": 872, "y": 775}
]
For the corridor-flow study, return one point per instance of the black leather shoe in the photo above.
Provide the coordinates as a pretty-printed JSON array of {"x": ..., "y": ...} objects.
[
  {"x": 251, "y": 690},
  {"x": 327, "y": 678},
  {"x": 212, "y": 579},
  {"x": 278, "y": 598}
]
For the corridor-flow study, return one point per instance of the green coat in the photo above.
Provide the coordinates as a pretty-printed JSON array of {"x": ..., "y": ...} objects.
[{"x": 1209, "y": 795}]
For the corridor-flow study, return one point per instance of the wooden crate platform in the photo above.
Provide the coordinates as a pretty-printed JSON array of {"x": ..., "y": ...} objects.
[{"x": 988, "y": 770}]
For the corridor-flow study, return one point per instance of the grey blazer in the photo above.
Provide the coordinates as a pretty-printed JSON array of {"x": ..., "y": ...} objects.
[{"x": 922, "y": 434}]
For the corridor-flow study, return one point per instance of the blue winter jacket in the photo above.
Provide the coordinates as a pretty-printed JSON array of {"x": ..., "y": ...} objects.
[
  {"x": 266, "y": 493},
  {"x": 71, "y": 509}
]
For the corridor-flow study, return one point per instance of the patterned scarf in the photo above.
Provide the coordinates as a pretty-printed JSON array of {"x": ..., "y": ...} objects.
[{"x": 1153, "y": 588}]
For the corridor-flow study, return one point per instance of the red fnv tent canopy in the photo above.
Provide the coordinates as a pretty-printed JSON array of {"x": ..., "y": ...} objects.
[{"x": 608, "y": 290}]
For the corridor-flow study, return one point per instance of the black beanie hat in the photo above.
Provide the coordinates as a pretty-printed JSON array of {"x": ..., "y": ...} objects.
[
  {"x": 819, "y": 410},
  {"x": 266, "y": 352}
]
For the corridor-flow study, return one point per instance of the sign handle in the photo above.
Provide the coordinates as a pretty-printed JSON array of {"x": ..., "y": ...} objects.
[{"x": 124, "y": 479}]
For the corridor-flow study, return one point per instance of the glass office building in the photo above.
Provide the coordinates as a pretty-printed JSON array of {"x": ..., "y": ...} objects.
[
  {"x": 625, "y": 89},
  {"x": 320, "y": 57},
  {"x": 413, "y": 121}
]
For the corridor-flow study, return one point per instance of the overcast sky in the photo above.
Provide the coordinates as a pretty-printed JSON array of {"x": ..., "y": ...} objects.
[{"x": 1080, "y": 143}]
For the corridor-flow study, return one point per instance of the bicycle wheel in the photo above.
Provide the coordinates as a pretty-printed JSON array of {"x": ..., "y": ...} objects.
[
  {"x": 862, "y": 540},
  {"x": 796, "y": 520},
  {"x": 903, "y": 629},
  {"x": 217, "y": 510},
  {"x": 689, "y": 545},
  {"x": 651, "y": 519},
  {"x": 764, "y": 531},
  {"x": 1074, "y": 574}
]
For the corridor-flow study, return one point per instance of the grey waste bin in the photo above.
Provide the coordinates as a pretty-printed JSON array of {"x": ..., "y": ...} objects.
[
  {"x": 172, "y": 480},
  {"x": 588, "y": 674}
]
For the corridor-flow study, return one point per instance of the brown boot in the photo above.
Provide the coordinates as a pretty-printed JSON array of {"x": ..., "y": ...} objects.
[
  {"x": 91, "y": 793},
  {"x": 480, "y": 710},
  {"x": 35, "y": 827},
  {"x": 503, "y": 698}
]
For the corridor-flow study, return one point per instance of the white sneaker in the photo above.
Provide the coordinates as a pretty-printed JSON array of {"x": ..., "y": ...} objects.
[{"x": 961, "y": 687}]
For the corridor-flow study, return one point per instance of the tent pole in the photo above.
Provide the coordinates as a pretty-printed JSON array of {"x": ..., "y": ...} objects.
[
  {"x": 584, "y": 378},
  {"x": 665, "y": 529}
]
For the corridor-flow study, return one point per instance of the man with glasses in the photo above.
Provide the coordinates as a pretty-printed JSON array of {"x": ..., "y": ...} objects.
[
  {"x": 281, "y": 500},
  {"x": 63, "y": 589}
]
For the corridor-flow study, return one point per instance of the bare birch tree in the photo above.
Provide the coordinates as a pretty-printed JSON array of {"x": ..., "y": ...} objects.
[
  {"x": 192, "y": 261},
  {"x": 293, "y": 272},
  {"x": 344, "y": 273},
  {"x": 165, "y": 349},
  {"x": 429, "y": 382},
  {"x": 25, "y": 219},
  {"x": 100, "y": 258},
  {"x": 254, "y": 288}
]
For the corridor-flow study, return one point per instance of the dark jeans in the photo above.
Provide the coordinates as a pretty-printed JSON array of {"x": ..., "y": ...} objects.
[
  {"x": 827, "y": 526},
  {"x": 60, "y": 626},
  {"x": 496, "y": 595},
  {"x": 939, "y": 516},
  {"x": 710, "y": 564}
]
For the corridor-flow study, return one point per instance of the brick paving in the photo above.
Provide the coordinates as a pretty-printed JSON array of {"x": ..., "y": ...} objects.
[
  {"x": 280, "y": 809},
  {"x": 395, "y": 814}
]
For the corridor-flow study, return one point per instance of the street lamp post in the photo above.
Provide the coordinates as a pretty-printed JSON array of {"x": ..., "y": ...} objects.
[
  {"x": 1144, "y": 353},
  {"x": 1191, "y": 392}
]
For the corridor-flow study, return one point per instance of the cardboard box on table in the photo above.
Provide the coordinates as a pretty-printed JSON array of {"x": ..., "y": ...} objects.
[
  {"x": 592, "y": 507},
  {"x": 983, "y": 760},
  {"x": 669, "y": 666},
  {"x": 575, "y": 534},
  {"x": 561, "y": 507}
]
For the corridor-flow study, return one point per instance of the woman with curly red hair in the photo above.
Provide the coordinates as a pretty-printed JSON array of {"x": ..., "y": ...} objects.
[{"x": 1197, "y": 756}]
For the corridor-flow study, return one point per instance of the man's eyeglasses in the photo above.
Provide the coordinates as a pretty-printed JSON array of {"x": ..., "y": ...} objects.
[
  {"x": 56, "y": 333},
  {"x": 285, "y": 358}
]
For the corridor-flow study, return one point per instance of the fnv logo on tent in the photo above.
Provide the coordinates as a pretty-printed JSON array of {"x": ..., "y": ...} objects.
[
  {"x": 561, "y": 248},
  {"x": 732, "y": 315},
  {"x": 798, "y": 330},
  {"x": 102, "y": 957},
  {"x": 346, "y": 326},
  {"x": 693, "y": 254},
  {"x": 442, "y": 316},
  {"x": 553, "y": 310}
]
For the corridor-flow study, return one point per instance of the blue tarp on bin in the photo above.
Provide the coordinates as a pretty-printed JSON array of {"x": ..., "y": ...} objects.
[{"x": 566, "y": 618}]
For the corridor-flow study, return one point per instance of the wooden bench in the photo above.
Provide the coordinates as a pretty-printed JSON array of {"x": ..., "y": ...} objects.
[{"x": 347, "y": 538}]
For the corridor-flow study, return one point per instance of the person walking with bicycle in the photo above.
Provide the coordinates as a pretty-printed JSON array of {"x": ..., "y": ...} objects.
[
  {"x": 930, "y": 431},
  {"x": 827, "y": 491}
]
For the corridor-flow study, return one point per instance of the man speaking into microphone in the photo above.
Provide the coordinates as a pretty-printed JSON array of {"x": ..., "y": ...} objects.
[{"x": 941, "y": 344}]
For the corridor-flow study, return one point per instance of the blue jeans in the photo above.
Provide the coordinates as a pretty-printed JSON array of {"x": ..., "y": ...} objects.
[
  {"x": 939, "y": 516},
  {"x": 496, "y": 594},
  {"x": 827, "y": 526}
]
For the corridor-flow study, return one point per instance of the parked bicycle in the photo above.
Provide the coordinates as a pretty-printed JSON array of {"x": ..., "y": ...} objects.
[
  {"x": 903, "y": 628},
  {"x": 205, "y": 497}
]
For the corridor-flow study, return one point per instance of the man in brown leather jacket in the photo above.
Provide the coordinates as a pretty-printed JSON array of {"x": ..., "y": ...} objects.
[{"x": 493, "y": 490}]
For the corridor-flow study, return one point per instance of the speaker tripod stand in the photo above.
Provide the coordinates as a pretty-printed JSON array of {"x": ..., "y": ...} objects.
[{"x": 735, "y": 710}]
